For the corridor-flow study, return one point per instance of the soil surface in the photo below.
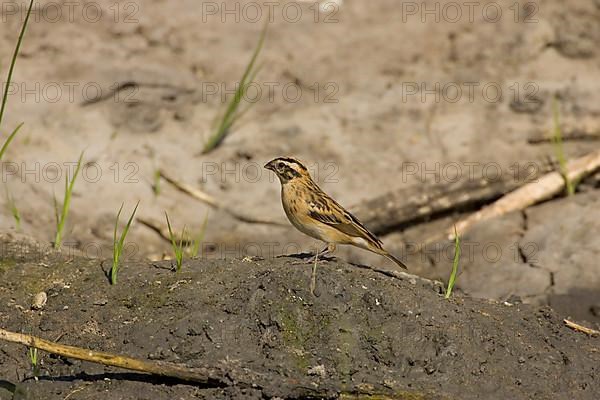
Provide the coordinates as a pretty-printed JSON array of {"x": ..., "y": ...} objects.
[{"x": 363, "y": 335}]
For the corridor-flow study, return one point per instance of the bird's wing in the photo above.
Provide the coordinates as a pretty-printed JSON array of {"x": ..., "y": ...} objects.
[{"x": 331, "y": 213}]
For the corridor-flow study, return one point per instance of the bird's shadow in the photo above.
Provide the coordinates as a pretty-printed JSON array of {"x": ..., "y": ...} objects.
[{"x": 308, "y": 257}]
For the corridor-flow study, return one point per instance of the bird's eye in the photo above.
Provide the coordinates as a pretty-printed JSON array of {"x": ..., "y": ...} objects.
[{"x": 280, "y": 165}]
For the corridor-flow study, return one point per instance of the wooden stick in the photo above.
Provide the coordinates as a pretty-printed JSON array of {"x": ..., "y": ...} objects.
[
  {"x": 581, "y": 328},
  {"x": 207, "y": 376},
  {"x": 532, "y": 193},
  {"x": 227, "y": 373},
  {"x": 403, "y": 276}
]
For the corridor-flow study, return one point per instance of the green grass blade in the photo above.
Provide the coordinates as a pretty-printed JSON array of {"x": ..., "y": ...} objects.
[
  {"x": 200, "y": 238},
  {"x": 127, "y": 226},
  {"x": 156, "y": 182},
  {"x": 231, "y": 112},
  {"x": 34, "y": 360},
  {"x": 33, "y": 356},
  {"x": 179, "y": 254},
  {"x": 452, "y": 279},
  {"x": 9, "y": 139},
  {"x": 66, "y": 203},
  {"x": 234, "y": 117},
  {"x": 56, "y": 217},
  {"x": 116, "y": 250},
  {"x": 557, "y": 141},
  {"x": 14, "y": 61},
  {"x": 177, "y": 248},
  {"x": 118, "y": 245},
  {"x": 10, "y": 201},
  {"x": 244, "y": 82},
  {"x": 171, "y": 236}
]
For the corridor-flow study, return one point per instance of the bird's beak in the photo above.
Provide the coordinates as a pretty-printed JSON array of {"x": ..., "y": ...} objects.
[{"x": 270, "y": 166}]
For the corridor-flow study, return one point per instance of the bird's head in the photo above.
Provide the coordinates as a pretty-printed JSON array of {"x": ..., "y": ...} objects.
[{"x": 287, "y": 169}]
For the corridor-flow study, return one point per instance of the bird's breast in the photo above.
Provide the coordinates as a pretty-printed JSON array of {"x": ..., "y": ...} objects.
[{"x": 297, "y": 210}]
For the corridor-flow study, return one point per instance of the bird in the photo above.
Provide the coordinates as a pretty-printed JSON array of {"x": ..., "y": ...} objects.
[{"x": 319, "y": 216}]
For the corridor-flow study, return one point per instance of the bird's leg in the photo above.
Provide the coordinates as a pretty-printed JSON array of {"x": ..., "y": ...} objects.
[
  {"x": 313, "y": 278},
  {"x": 319, "y": 254},
  {"x": 328, "y": 250}
]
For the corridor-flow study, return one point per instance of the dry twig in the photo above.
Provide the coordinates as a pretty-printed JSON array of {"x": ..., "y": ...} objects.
[
  {"x": 163, "y": 231},
  {"x": 581, "y": 328},
  {"x": 190, "y": 190}
]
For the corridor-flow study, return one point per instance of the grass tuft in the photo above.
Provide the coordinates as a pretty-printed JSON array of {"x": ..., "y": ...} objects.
[
  {"x": 118, "y": 245},
  {"x": 452, "y": 279},
  {"x": 557, "y": 141},
  {"x": 177, "y": 247},
  {"x": 232, "y": 112},
  {"x": 200, "y": 238}
]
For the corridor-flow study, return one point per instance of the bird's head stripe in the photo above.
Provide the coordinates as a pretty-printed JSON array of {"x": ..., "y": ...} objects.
[{"x": 292, "y": 161}]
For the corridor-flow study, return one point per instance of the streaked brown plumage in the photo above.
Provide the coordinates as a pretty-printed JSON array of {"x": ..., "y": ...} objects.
[{"x": 316, "y": 214}]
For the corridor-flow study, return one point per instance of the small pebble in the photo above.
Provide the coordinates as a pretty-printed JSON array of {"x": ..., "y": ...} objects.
[
  {"x": 39, "y": 301},
  {"x": 317, "y": 370}
]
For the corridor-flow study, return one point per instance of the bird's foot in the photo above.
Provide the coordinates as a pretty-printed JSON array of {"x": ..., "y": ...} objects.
[
  {"x": 311, "y": 258},
  {"x": 323, "y": 255}
]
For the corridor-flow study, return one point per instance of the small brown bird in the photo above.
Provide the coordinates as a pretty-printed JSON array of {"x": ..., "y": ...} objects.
[{"x": 316, "y": 214}]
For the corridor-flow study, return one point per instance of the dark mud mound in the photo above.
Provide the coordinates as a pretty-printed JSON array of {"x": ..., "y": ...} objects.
[{"x": 364, "y": 336}]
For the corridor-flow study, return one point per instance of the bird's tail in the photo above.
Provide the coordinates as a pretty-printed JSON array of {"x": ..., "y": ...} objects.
[
  {"x": 377, "y": 248},
  {"x": 394, "y": 259}
]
